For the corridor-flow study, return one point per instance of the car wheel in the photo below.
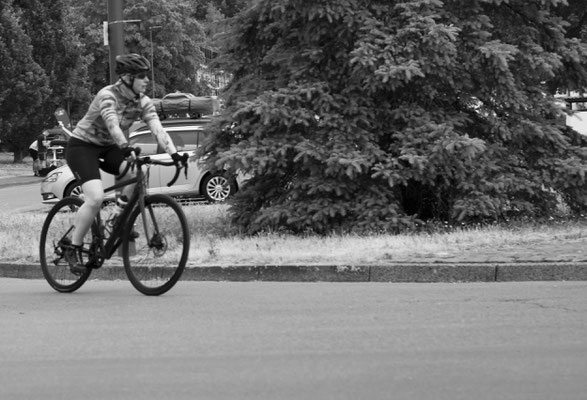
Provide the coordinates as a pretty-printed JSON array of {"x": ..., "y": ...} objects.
[
  {"x": 73, "y": 190},
  {"x": 217, "y": 188}
]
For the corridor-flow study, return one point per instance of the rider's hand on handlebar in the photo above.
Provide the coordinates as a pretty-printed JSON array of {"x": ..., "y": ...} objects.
[
  {"x": 179, "y": 159},
  {"x": 130, "y": 152}
]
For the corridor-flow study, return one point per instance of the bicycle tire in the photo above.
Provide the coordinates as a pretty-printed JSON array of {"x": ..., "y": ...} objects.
[
  {"x": 56, "y": 233},
  {"x": 159, "y": 257}
]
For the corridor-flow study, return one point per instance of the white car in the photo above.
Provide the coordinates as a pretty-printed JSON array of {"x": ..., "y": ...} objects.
[{"x": 188, "y": 135}]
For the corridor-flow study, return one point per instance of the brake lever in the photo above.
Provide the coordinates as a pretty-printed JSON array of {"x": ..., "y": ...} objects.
[{"x": 184, "y": 165}]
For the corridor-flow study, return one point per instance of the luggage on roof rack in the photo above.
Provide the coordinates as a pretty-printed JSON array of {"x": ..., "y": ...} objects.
[{"x": 185, "y": 105}]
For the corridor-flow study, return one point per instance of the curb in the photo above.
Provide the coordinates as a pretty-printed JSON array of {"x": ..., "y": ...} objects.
[
  {"x": 19, "y": 181},
  {"x": 401, "y": 272}
]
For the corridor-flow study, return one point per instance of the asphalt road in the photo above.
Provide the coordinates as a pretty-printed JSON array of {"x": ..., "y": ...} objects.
[{"x": 220, "y": 340}]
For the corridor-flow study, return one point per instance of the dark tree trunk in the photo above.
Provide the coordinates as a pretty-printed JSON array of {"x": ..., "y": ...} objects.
[{"x": 19, "y": 155}]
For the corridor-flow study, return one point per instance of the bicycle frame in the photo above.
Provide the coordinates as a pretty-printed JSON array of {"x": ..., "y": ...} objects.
[
  {"x": 150, "y": 235},
  {"x": 106, "y": 250}
]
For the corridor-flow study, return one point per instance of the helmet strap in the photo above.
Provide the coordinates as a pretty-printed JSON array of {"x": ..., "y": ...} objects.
[{"x": 130, "y": 85}]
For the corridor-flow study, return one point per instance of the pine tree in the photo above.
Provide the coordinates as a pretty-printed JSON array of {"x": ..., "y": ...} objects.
[{"x": 370, "y": 116}]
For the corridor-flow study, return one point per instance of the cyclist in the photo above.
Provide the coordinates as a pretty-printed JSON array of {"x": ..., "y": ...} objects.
[{"x": 100, "y": 141}]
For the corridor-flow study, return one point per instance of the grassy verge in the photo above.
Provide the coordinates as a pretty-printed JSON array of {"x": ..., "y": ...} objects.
[
  {"x": 214, "y": 242},
  {"x": 10, "y": 168}
]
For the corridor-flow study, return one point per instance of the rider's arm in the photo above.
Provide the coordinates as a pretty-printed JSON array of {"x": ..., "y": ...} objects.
[
  {"x": 152, "y": 119},
  {"x": 162, "y": 136},
  {"x": 110, "y": 116}
]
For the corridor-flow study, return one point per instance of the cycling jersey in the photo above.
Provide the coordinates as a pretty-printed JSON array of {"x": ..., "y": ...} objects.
[
  {"x": 111, "y": 114},
  {"x": 104, "y": 129}
]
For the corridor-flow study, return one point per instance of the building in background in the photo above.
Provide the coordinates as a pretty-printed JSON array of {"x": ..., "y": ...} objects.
[{"x": 577, "y": 104}]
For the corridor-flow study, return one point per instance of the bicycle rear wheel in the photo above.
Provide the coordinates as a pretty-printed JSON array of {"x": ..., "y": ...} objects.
[
  {"x": 155, "y": 246},
  {"x": 55, "y": 238}
]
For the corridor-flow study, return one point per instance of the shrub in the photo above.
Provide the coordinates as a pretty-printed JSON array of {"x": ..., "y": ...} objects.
[{"x": 380, "y": 115}]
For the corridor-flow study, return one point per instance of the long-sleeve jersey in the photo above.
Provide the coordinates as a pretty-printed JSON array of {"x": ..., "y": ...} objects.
[{"x": 111, "y": 114}]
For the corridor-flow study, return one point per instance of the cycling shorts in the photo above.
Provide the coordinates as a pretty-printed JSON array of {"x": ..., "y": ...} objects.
[{"x": 86, "y": 159}]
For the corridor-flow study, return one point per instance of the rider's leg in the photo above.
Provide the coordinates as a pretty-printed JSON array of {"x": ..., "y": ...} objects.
[
  {"x": 42, "y": 162},
  {"x": 33, "y": 153},
  {"x": 94, "y": 194},
  {"x": 93, "y": 197}
]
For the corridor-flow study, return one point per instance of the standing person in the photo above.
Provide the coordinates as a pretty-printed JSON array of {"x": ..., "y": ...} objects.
[
  {"x": 42, "y": 144},
  {"x": 34, "y": 153},
  {"x": 103, "y": 134}
]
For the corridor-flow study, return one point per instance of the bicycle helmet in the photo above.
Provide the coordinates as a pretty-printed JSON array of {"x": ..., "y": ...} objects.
[{"x": 132, "y": 64}]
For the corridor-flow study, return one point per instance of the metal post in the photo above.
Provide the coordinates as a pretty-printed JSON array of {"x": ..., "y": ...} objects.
[
  {"x": 115, "y": 34},
  {"x": 152, "y": 61},
  {"x": 152, "y": 66}
]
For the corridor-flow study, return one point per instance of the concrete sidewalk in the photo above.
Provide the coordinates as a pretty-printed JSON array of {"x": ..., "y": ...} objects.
[{"x": 393, "y": 272}]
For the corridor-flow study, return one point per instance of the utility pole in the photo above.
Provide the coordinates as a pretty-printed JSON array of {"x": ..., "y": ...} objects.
[
  {"x": 152, "y": 60},
  {"x": 115, "y": 34}
]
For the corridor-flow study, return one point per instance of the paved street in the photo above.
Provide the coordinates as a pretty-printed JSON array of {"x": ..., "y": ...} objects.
[{"x": 220, "y": 340}]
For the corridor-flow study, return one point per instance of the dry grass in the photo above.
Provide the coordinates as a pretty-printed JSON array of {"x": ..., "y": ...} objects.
[
  {"x": 214, "y": 243},
  {"x": 9, "y": 168},
  {"x": 470, "y": 245}
]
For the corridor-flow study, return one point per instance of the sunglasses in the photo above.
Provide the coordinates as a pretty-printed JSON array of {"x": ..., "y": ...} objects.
[{"x": 142, "y": 75}]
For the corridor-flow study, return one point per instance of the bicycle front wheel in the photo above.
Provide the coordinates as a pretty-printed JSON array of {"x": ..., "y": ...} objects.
[
  {"x": 55, "y": 238},
  {"x": 155, "y": 245}
]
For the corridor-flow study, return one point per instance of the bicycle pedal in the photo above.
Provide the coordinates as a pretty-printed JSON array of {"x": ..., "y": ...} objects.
[
  {"x": 78, "y": 270},
  {"x": 93, "y": 265}
]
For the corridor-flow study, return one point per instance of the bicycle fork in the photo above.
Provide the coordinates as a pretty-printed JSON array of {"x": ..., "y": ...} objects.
[{"x": 155, "y": 240}]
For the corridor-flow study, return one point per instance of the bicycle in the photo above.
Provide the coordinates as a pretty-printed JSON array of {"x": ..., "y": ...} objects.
[{"x": 151, "y": 232}]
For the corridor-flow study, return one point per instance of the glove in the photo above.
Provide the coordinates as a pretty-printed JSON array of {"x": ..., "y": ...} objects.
[
  {"x": 126, "y": 151},
  {"x": 177, "y": 159}
]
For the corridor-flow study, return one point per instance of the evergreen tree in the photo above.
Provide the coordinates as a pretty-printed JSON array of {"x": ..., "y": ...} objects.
[
  {"x": 24, "y": 86},
  {"x": 361, "y": 115}
]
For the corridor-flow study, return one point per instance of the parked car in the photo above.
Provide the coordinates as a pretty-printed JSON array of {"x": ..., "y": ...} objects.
[{"x": 188, "y": 135}]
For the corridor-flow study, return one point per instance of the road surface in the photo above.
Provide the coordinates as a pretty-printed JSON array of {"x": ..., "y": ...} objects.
[{"x": 220, "y": 340}]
